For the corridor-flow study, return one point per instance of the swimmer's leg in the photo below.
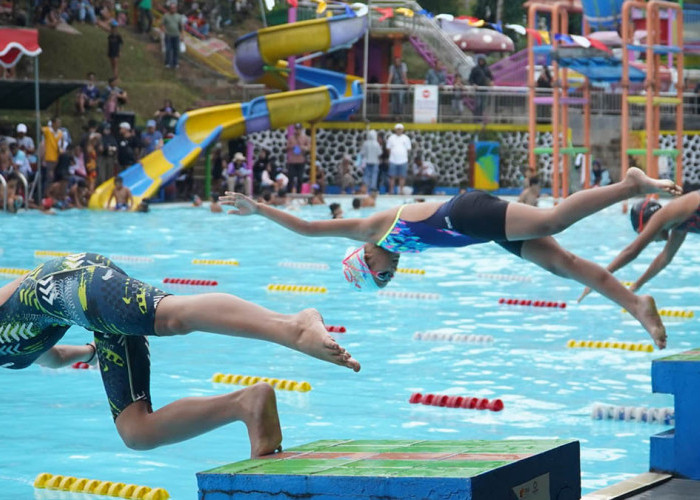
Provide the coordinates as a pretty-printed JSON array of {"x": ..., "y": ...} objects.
[
  {"x": 546, "y": 253},
  {"x": 186, "y": 418},
  {"x": 525, "y": 222},
  {"x": 229, "y": 315}
]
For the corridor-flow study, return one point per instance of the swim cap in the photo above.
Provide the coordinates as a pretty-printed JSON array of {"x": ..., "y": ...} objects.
[
  {"x": 357, "y": 272},
  {"x": 641, "y": 212}
]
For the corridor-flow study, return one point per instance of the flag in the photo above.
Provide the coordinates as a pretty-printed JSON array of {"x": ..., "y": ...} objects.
[
  {"x": 405, "y": 11},
  {"x": 386, "y": 13},
  {"x": 563, "y": 37},
  {"x": 545, "y": 37},
  {"x": 425, "y": 13},
  {"x": 581, "y": 40},
  {"x": 536, "y": 35},
  {"x": 520, "y": 30},
  {"x": 293, "y": 3},
  {"x": 599, "y": 45}
]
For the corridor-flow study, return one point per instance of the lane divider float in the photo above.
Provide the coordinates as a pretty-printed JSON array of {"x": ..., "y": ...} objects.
[
  {"x": 335, "y": 329},
  {"x": 277, "y": 383},
  {"x": 97, "y": 487},
  {"x": 503, "y": 277},
  {"x": 409, "y": 295},
  {"x": 304, "y": 265},
  {"x": 139, "y": 259},
  {"x": 664, "y": 416},
  {"x": 215, "y": 262},
  {"x": 410, "y": 270},
  {"x": 184, "y": 281},
  {"x": 279, "y": 287},
  {"x": 533, "y": 303},
  {"x": 51, "y": 253},
  {"x": 452, "y": 337},
  {"x": 14, "y": 271},
  {"x": 456, "y": 401},
  {"x": 673, "y": 313},
  {"x": 607, "y": 344}
]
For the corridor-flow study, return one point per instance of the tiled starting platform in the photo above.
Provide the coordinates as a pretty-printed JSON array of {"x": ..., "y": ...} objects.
[{"x": 465, "y": 470}]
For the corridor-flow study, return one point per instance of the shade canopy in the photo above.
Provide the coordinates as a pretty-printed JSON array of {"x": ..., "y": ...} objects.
[{"x": 16, "y": 42}]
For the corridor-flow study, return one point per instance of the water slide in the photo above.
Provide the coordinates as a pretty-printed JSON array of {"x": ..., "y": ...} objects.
[{"x": 322, "y": 95}]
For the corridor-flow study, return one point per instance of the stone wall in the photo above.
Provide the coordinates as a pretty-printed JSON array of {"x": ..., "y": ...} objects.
[{"x": 446, "y": 149}]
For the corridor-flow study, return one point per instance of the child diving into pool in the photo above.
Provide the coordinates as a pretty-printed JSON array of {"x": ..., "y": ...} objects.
[
  {"x": 90, "y": 291},
  {"x": 652, "y": 222},
  {"x": 478, "y": 217}
]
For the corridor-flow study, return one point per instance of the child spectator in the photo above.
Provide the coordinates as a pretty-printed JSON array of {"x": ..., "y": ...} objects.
[
  {"x": 78, "y": 195},
  {"x": 14, "y": 200},
  {"x": 123, "y": 200},
  {"x": 336, "y": 211},
  {"x": 114, "y": 45},
  {"x": 89, "y": 95},
  {"x": 20, "y": 161},
  {"x": 114, "y": 97},
  {"x": 92, "y": 149}
]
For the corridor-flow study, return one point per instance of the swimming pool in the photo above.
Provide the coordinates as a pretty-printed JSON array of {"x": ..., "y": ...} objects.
[{"x": 59, "y": 421}]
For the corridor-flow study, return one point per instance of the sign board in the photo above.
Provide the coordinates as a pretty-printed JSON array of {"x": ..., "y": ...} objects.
[{"x": 425, "y": 103}]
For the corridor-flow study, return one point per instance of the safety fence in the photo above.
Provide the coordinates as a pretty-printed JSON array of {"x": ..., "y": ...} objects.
[{"x": 506, "y": 105}]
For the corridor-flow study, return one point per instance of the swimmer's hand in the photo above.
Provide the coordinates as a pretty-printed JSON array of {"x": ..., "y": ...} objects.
[
  {"x": 241, "y": 203},
  {"x": 586, "y": 291}
]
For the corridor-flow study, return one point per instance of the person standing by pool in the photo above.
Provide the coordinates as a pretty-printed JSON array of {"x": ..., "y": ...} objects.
[
  {"x": 652, "y": 222},
  {"x": 90, "y": 291},
  {"x": 478, "y": 217}
]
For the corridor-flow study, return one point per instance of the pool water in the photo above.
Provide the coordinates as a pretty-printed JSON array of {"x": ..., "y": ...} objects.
[{"x": 58, "y": 421}]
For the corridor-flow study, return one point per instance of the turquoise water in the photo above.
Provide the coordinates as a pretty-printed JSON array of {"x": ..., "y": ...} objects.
[{"x": 58, "y": 421}]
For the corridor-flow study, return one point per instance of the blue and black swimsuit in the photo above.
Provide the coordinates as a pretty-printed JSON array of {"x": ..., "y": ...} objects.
[
  {"x": 466, "y": 219},
  {"x": 86, "y": 290}
]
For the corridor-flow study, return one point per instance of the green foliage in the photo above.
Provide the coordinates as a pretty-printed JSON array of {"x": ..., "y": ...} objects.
[
  {"x": 442, "y": 6},
  {"x": 513, "y": 11}
]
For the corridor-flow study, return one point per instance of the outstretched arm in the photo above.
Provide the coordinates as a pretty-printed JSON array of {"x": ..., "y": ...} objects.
[
  {"x": 669, "y": 216},
  {"x": 64, "y": 355},
  {"x": 675, "y": 240},
  {"x": 356, "y": 229}
]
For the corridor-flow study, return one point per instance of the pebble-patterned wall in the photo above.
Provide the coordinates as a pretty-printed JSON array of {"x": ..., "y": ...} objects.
[
  {"x": 691, "y": 155},
  {"x": 447, "y": 150}
]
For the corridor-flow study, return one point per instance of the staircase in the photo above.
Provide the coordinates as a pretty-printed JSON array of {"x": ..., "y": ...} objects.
[
  {"x": 424, "y": 33},
  {"x": 511, "y": 71}
]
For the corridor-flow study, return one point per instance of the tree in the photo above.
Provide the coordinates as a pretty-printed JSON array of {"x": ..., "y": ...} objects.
[{"x": 512, "y": 11}]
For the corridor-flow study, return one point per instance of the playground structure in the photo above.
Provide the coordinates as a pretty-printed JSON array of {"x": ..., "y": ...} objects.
[
  {"x": 597, "y": 66},
  {"x": 322, "y": 94},
  {"x": 653, "y": 48}
]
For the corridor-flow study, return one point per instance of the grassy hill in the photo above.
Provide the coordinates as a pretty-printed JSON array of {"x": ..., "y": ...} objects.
[{"x": 141, "y": 71}]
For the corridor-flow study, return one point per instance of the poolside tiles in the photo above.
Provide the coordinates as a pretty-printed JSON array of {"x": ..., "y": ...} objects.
[{"x": 404, "y": 469}]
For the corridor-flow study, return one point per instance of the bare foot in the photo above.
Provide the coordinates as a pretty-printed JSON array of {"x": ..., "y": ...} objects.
[
  {"x": 261, "y": 419},
  {"x": 644, "y": 184},
  {"x": 315, "y": 341},
  {"x": 649, "y": 317}
]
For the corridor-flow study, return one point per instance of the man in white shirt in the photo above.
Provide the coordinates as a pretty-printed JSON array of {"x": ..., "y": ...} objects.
[{"x": 399, "y": 146}]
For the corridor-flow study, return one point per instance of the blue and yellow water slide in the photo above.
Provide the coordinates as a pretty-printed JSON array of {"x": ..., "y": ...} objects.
[{"x": 321, "y": 95}]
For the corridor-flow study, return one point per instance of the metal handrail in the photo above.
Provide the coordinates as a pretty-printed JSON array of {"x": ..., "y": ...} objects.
[
  {"x": 425, "y": 28},
  {"x": 24, "y": 182},
  {"x": 4, "y": 193}
]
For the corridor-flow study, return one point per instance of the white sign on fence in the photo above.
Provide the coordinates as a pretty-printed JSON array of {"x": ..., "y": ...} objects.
[{"x": 425, "y": 103}]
